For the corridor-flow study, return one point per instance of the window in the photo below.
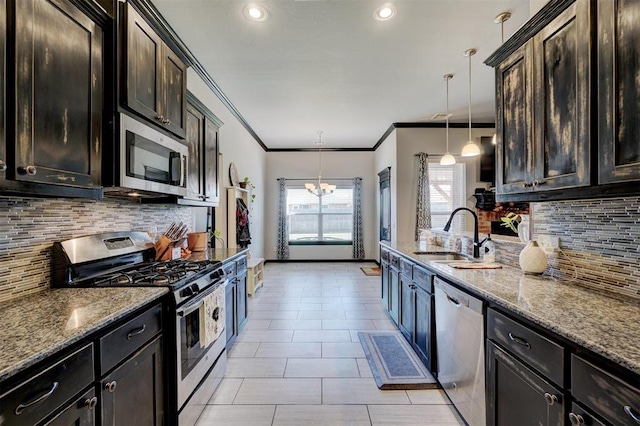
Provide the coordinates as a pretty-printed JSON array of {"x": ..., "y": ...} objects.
[
  {"x": 448, "y": 191},
  {"x": 322, "y": 220}
]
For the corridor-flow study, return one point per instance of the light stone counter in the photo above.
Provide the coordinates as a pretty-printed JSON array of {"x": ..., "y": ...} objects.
[
  {"x": 602, "y": 324},
  {"x": 221, "y": 254},
  {"x": 36, "y": 326}
]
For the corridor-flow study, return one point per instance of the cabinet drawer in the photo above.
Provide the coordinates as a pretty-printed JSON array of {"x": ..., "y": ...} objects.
[
  {"x": 580, "y": 416},
  {"x": 126, "y": 339},
  {"x": 394, "y": 260},
  {"x": 607, "y": 395},
  {"x": 384, "y": 255},
  {"x": 406, "y": 268},
  {"x": 229, "y": 269},
  {"x": 241, "y": 265},
  {"x": 423, "y": 278},
  {"x": 35, "y": 399},
  {"x": 81, "y": 412},
  {"x": 536, "y": 350}
]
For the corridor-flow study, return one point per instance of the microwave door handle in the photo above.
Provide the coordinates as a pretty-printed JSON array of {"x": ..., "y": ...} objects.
[{"x": 183, "y": 170}]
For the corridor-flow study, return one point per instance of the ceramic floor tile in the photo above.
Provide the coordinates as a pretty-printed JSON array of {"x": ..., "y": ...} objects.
[
  {"x": 321, "y": 415},
  {"x": 280, "y": 391},
  {"x": 338, "y": 314},
  {"x": 243, "y": 350},
  {"x": 364, "y": 367},
  {"x": 259, "y": 306},
  {"x": 273, "y": 314},
  {"x": 321, "y": 336},
  {"x": 255, "y": 367},
  {"x": 322, "y": 367},
  {"x": 348, "y": 324},
  {"x": 226, "y": 391},
  {"x": 384, "y": 324},
  {"x": 235, "y": 415},
  {"x": 289, "y": 350},
  {"x": 428, "y": 396},
  {"x": 265, "y": 336},
  {"x": 440, "y": 415},
  {"x": 339, "y": 306},
  {"x": 342, "y": 350},
  {"x": 366, "y": 315},
  {"x": 300, "y": 307},
  {"x": 359, "y": 391},
  {"x": 300, "y": 324},
  {"x": 257, "y": 324}
]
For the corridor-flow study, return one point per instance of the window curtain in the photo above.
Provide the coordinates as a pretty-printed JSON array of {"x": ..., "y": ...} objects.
[
  {"x": 282, "y": 248},
  {"x": 423, "y": 200},
  {"x": 358, "y": 237}
]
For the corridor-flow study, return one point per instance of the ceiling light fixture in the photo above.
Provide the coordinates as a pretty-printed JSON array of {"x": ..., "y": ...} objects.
[
  {"x": 384, "y": 12},
  {"x": 447, "y": 159},
  {"x": 323, "y": 188},
  {"x": 471, "y": 149},
  {"x": 501, "y": 18},
  {"x": 256, "y": 12}
]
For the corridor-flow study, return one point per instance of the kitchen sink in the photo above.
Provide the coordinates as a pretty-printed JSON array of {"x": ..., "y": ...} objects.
[{"x": 442, "y": 256}]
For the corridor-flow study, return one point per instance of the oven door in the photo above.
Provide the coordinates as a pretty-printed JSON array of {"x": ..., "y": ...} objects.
[{"x": 193, "y": 358}]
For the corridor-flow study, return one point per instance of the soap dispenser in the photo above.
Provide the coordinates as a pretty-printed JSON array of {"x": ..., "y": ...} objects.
[{"x": 489, "y": 250}]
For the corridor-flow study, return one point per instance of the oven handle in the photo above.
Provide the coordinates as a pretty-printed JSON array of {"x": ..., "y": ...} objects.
[{"x": 195, "y": 305}]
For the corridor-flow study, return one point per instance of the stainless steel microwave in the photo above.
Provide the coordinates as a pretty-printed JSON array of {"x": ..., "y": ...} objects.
[{"x": 151, "y": 161}]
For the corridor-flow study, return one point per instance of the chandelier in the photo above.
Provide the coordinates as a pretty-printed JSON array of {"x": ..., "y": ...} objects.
[{"x": 322, "y": 188}]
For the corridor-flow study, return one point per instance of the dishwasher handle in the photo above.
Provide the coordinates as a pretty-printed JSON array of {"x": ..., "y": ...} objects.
[{"x": 453, "y": 301}]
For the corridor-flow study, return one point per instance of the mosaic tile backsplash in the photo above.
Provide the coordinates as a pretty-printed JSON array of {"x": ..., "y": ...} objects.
[{"x": 28, "y": 228}]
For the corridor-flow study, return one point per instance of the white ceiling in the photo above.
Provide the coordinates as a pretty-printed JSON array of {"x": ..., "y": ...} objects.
[{"x": 328, "y": 65}]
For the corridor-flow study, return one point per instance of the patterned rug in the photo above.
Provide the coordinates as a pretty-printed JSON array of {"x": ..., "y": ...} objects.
[
  {"x": 370, "y": 272},
  {"x": 393, "y": 363}
]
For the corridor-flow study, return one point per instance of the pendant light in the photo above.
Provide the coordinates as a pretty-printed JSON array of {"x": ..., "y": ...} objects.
[
  {"x": 501, "y": 18},
  {"x": 471, "y": 149},
  {"x": 322, "y": 188},
  {"x": 447, "y": 159}
]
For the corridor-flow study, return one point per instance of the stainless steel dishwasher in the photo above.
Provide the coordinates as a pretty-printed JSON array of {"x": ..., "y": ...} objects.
[{"x": 460, "y": 343}]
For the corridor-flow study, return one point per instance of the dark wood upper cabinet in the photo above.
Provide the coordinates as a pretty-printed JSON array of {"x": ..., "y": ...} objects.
[
  {"x": 569, "y": 128},
  {"x": 619, "y": 103},
  {"x": 58, "y": 95},
  {"x": 562, "y": 103},
  {"x": 514, "y": 128},
  {"x": 3, "y": 79},
  {"x": 156, "y": 78},
  {"x": 202, "y": 140}
]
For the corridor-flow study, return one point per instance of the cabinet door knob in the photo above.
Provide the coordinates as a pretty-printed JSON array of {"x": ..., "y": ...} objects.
[
  {"x": 539, "y": 182},
  {"x": 160, "y": 118},
  {"x": 91, "y": 403},
  {"x": 166, "y": 121},
  {"x": 3, "y": 166},
  {"x": 630, "y": 412},
  {"x": 527, "y": 185},
  {"x": 29, "y": 170},
  {"x": 110, "y": 386},
  {"x": 551, "y": 399},
  {"x": 576, "y": 419}
]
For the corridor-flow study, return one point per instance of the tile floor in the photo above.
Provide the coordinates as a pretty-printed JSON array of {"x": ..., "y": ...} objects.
[{"x": 299, "y": 360}]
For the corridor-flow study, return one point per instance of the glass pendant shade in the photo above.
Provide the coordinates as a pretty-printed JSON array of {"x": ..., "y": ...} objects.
[
  {"x": 471, "y": 149},
  {"x": 447, "y": 160}
]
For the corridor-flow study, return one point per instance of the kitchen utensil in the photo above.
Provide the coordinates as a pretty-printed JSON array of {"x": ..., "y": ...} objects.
[{"x": 197, "y": 241}]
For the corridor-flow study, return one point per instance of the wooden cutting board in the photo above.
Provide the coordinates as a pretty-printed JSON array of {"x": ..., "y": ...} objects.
[{"x": 470, "y": 265}]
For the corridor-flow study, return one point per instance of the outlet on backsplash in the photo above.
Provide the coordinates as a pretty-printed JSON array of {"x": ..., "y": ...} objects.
[{"x": 549, "y": 243}]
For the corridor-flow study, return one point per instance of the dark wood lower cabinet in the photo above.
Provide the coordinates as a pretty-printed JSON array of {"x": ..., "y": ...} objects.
[
  {"x": 394, "y": 294},
  {"x": 384, "y": 291},
  {"x": 518, "y": 396},
  {"x": 81, "y": 412},
  {"x": 133, "y": 393},
  {"x": 423, "y": 331},
  {"x": 230, "y": 308},
  {"x": 582, "y": 417},
  {"x": 407, "y": 316},
  {"x": 241, "y": 300}
]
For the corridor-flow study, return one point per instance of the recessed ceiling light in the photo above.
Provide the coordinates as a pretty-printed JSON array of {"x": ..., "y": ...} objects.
[
  {"x": 384, "y": 12},
  {"x": 256, "y": 12}
]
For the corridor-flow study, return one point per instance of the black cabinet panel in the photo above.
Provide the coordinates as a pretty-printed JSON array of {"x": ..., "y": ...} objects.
[
  {"x": 619, "y": 103},
  {"x": 81, "y": 412},
  {"x": 518, "y": 396},
  {"x": 230, "y": 308},
  {"x": 384, "y": 282},
  {"x": 3, "y": 109},
  {"x": 133, "y": 393},
  {"x": 394, "y": 294},
  {"x": 424, "y": 330},
  {"x": 58, "y": 94},
  {"x": 210, "y": 160},
  {"x": 406, "y": 319},
  {"x": 241, "y": 300},
  {"x": 194, "y": 140},
  {"x": 174, "y": 82}
]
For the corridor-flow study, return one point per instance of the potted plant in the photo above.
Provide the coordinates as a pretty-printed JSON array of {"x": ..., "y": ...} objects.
[
  {"x": 246, "y": 183},
  {"x": 511, "y": 221}
]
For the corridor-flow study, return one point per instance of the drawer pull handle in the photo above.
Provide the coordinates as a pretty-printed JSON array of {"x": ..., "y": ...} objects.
[
  {"x": 21, "y": 407},
  {"x": 519, "y": 340},
  {"x": 110, "y": 386},
  {"x": 632, "y": 414},
  {"x": 136, "y": 332},
  {"x": 551, "y": 399},
  {"x": 576, "y": 419},
  {"x": 91, "y": 403}
]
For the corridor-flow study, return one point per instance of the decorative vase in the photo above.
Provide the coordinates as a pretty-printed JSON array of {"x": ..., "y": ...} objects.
[{"x": 533, "y": 260}]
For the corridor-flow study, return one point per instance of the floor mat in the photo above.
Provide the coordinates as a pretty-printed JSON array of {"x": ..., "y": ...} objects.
[
  {"x": 370, "y": 272},
  {"x": 393, "y": 363}
]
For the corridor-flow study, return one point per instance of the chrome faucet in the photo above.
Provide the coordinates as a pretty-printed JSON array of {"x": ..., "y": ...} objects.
[{"x": 476, "y": 240}]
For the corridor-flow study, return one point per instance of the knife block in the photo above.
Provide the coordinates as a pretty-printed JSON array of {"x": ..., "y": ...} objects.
[{"x": 164, "y": 247}]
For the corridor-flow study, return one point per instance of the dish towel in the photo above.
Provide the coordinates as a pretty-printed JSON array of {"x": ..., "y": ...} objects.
[{"x": 212, "y": 317}]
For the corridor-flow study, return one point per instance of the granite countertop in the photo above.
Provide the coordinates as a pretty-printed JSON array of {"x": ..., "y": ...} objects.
[
  {"x": 593, "y": 320},
  {"x": 38, "y": 325},
  {"x": 220, "y": 254}
]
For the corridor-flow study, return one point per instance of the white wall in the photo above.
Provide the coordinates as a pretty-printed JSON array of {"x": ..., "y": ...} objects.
[
  {"x": 239, "y": 147},
  {"x": 304, "y": 165},
  {"x": 411, "y": 141}
]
